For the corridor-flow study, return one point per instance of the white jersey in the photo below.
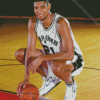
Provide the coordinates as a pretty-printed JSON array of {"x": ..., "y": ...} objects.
[{"x": 51, "y": 39}]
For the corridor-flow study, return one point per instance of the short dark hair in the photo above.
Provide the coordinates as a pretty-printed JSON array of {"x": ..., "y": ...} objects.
[{"x": 42, "y": 0}]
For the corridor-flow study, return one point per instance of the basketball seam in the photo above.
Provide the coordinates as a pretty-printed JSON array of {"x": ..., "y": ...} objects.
[
  {"x": 31, "y": 94},
  {"x": 22, "y": 97}
]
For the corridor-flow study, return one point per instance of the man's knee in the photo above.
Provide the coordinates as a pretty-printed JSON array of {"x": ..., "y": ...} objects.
[
  {"x": 60, "y": 66},
  {"x": 16, "y": 54},
  {"x": 19, "y": 54},
  {"x": 63, "y": 71},
  {"x": 55, "y": 67}
]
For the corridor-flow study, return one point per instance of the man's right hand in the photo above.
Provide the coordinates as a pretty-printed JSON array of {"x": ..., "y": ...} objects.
[{"x": 20, "y": 86}]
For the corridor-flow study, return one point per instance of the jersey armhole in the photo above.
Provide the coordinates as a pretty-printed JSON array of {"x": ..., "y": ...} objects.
[
  {"x": 36, "y": 25},
  {"x": 59, "y": 36}
]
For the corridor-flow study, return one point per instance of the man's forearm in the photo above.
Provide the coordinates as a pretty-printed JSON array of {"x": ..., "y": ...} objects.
[
  {"x": 27, "y": 75},
  {"x": 28, "y": 60},
  {"x": 58, "y": 56}
]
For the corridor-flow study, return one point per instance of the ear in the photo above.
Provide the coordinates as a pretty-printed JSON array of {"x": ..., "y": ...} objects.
[{"x": 49, "y": 6}]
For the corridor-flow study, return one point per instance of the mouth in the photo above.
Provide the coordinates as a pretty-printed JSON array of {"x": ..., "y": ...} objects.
[{"x": 40, "y": 16}]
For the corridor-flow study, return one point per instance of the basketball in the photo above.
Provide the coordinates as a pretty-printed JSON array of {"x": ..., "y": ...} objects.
[{"x": 29, "y": 92}]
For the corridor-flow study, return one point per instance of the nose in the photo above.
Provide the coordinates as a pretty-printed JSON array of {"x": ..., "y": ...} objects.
[{"x": 39, "y": 11}]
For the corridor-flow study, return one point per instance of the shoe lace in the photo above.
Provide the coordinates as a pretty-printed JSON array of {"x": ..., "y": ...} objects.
[{"x": 50, "y": 79}]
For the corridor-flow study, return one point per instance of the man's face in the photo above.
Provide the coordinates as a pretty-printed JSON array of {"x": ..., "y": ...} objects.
[{"x": 41, "y": 9}]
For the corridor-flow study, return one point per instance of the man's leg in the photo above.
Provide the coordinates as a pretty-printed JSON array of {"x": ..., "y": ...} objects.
[
  {"x": 20, "y": 56},
  {"x": 64, "y": 72},
  {"x": 42, "y": 70}
]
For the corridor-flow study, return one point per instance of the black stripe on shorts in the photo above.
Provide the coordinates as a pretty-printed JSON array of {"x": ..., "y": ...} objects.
[{"x": 78, "y": 63}]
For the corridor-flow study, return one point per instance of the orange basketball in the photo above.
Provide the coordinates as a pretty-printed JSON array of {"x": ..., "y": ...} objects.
[{"x": 29, "y": 92}]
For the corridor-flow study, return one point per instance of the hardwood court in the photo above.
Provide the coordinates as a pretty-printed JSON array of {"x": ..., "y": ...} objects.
[{"x": 13, "y": 35}]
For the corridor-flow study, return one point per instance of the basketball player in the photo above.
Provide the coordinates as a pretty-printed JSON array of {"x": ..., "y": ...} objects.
[{"x": 61, "y": 57}]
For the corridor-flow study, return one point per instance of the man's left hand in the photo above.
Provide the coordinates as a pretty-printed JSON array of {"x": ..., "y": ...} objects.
[{"x": 34, "y": 65}]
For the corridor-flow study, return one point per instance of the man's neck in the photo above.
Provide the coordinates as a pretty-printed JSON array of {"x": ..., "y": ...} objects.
[{"x": 48, "y": 21}]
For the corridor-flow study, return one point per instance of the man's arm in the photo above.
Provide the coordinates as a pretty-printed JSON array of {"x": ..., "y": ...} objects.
[
  {"x": 29, "y": 53},
  {"x": 31, "y": 46},
  {"x": 67, "y": 43}
]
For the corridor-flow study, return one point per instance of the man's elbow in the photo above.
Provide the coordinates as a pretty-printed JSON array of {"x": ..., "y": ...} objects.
[{"x": 70, "y": 55}]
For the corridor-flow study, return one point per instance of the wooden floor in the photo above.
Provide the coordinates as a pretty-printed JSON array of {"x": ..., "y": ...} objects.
[{"x": 13, "y": 35}]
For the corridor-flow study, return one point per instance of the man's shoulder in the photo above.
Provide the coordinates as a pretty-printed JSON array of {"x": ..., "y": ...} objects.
[
  {"x": 33, "y": 19},
  {"x": 62, "y": 24},
  {"x": 32, "y": 22},
  {"x": 62, "y": 19}
]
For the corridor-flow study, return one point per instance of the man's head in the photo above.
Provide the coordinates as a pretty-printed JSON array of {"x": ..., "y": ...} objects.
[
  {"x": 42, "y": 8},
  {"x": 47, "y": 1}
]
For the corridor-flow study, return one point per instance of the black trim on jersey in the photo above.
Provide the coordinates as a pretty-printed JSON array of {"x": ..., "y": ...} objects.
[
  {"x": 51, "y": 24},
  {"x": 59, "y": 36},
  {"x": 36, "y": 25},
  {"x": 37, "y": 22},
  {"x": 78, "y": 63}
]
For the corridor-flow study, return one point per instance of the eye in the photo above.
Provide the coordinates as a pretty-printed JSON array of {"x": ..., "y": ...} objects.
[
  {"x": 42, "y": 7},
  {"x": 35, "y": 8}
]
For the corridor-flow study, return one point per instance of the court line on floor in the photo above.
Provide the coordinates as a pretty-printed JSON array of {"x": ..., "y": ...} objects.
[
  {"x": 8, "y": 91},
  {"x": 10, "y": 64},
  {"x": 91, "y": 68},
  {"x": 9, "y": 59},
  {"x": 22, "y": 64}
]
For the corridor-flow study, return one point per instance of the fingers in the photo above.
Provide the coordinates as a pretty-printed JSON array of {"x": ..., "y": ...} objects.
[
  {"x": 34, "y": 70},
  {"x": 17, "y": 92},
  {"x": 31, "y": 68},
  {"x": 19, "y": 88}
]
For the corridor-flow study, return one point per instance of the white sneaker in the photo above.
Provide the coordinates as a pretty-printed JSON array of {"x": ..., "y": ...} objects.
[
  {"x": 71, "y": 91},
  {"x": 48, "y": 85}
]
